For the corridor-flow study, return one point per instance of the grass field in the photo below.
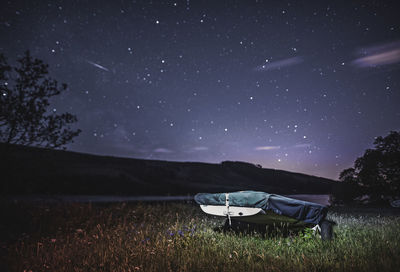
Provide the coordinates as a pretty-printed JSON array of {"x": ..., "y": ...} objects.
[{"x": 179, "y": 237}]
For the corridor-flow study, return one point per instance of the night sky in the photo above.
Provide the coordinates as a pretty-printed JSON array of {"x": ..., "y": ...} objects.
[{"x": 299, "y": 86}]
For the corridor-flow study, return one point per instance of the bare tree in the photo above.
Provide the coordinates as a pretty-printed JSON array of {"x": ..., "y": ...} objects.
[{"x": 25, "y": 91}]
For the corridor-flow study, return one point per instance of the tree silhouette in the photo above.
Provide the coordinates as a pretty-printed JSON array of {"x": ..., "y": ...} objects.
[
  {"x": 25, "y": 91},
  {"x": 377, "y": 172}
]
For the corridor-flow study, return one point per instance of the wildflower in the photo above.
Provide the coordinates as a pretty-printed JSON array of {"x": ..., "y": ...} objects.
[
  {"x": 181, "y": 233},
  {"x": 147, "y": 239}
]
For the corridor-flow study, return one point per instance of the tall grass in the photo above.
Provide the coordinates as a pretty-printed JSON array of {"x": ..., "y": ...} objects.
[{"x": 179, "y": 237}]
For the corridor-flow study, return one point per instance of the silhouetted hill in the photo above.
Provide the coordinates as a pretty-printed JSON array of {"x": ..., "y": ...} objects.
[{"x": 27, "y": 170}]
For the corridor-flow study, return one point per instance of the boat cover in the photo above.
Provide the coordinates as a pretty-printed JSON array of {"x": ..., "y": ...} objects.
[{"x": 305, "y": 211}]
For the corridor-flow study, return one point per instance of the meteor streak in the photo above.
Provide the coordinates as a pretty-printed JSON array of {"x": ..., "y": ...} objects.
[{"x": 97, "y": 65}]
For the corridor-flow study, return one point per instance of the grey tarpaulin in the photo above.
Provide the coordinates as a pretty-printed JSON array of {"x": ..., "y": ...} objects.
[{"x": 305, "y": 211}]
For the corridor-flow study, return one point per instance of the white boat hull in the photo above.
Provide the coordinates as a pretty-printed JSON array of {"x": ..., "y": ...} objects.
[
  {"x": 233, "y": 211},
  {"x": 250, "y": 215}
]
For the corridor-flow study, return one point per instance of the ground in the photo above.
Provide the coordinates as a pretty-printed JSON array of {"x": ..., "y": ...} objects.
[{"x": 179, "y": 237}]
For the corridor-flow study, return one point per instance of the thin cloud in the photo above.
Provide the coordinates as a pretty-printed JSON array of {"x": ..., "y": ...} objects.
[
  {"x": 200, "y": 148},
  {"x": 383, "y": 54},
  {"x": 279, "y": 64},
  {"x": 97, "y": 65},
  {"x": 162, "y": 150},
  {"x": 264, "y": 148}
]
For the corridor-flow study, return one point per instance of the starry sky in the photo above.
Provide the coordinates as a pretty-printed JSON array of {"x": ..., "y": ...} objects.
[{"x": 302, "y": 86}]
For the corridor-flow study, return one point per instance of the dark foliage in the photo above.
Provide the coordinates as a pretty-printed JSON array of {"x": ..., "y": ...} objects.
[
  {"x": 377, "y": 172},
  {"x": 24, "y": 99}
]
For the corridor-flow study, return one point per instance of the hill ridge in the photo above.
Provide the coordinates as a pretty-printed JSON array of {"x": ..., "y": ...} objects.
[{"x": 36, "y": 170}]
